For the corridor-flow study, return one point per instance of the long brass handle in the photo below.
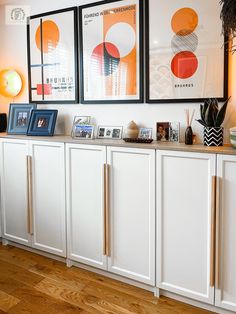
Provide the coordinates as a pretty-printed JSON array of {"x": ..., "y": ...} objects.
[
  {"x": 108, "y": 251},
  {"x": 213, "y": 218},
  {"x": 29, "y": 194},
  {"x": 104, "y": 208},
  {"x": 217, "y": 271}
]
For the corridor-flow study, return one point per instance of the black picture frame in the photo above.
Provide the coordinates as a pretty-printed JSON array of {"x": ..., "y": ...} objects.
[
  {"x": 42, "y": 122},
  {"x": 63, "y": 82},
  {"x": 19, "y": 117},
  {"x": 149, "y": 99},
  {"x": 139, "y": 69}
]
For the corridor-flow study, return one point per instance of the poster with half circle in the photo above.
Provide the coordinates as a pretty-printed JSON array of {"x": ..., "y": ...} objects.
[
  {"x": 111, "y": 52},
  {"x": 52, "y": 57},
  {"x": 186, "y": 57}
]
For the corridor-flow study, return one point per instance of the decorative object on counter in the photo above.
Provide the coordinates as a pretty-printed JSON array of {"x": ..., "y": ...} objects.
[
  {"x": 132, "y": 130},
  {"x": 19, "y": 117},
  {"x": 185, "y": 72},
  {"x": 174, "y": 128},
  {"x": 83, "y": 131},
  {"x": 3, "y": 122},
  {"x": 42, "y": 122},
  {"x": 145, "y": 133},
  {"x": 10, "y": 83},
  {"x": 111, "y": 51},
  {"x": 52, "y": 57},
  {"x": 112, "y": 132},
  {"x": 138, "y": 140},
  {"x": 212, "y": 117},
  {"x": 233, "y": 137},
  {"x": 189, "y": 131},
  {"x": 228, "y": 17},
  {"x": 163, "y": 131}
]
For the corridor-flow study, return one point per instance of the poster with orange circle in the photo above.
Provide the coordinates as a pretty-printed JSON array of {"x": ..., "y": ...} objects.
[
  {"x": 111, "y": 51},
  {"x": 186, "y": 56},
  {"x": 52, "y": 57}
]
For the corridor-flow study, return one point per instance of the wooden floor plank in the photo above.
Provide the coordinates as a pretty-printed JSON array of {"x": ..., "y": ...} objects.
[
  {"x": 7, "y": 301},
  {"x": 30, "y": 283}
]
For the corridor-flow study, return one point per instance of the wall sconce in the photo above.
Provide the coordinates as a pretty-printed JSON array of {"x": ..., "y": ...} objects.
[{"x": 10, "y": 83}]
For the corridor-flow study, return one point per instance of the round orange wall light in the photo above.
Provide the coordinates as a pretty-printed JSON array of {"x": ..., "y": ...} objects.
[{"x": 10, "y": 83}]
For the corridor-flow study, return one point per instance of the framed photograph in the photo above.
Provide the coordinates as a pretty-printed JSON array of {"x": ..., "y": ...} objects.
[
  {"x": 83, "y": 131},
  {"x": 42, "y": 122},
  {"x": 163, "y": 131},
  {"x": 112, "y": 132},
  {"x": 174, "y": 131},
  {"x": 52, "y": 57},
  {"x": 145, "y": 133},
  {"x": 186, "y": 60},
  {"x": 82, "y": 120},
  {"x": 111, "y": 52},
  {"x": 18, "y": 118}
]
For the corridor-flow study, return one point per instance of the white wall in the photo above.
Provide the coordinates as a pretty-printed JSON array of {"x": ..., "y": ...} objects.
[{"x": 13, "y": 55}]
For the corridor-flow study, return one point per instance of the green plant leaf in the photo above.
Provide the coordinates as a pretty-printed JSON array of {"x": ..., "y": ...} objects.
[
  {"x": 221, "y": 114},
  {"x": 209, "y": 115},
  {"x": 202, "y": 122},
  {"x": 202, "y": 113}
]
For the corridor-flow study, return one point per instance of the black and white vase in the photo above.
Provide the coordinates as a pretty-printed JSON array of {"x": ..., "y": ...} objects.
[{"x": 213, "y": 136}]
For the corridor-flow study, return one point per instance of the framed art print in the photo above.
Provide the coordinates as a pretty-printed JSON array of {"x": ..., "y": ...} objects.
[
  {"x": 111, "y": 52},
  {"x": 83, "y": 131},
  {"x": 19, "y": 117},
  {"x": 186, "y": 57},
  {"x": 52, "y": 57},
  {"x": 42, "y": 122},
  {"x": 112, "y": 132}
]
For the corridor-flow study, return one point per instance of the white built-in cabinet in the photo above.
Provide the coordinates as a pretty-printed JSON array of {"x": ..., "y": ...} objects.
[
  {"x": 184, "y": 184},
  {"x": 33, "y": 194},
  {"x": 226, "y": 233},
  {"x": 111, "y": 209}
]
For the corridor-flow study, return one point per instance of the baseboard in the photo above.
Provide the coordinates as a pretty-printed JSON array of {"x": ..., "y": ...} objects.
[
  {"x": 192, "y": 302},
  {"x": 112, "y": 276},
  {"x": 30, "y": 249}
]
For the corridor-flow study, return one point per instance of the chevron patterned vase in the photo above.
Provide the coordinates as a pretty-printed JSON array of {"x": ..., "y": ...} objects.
[{"x": 213, "y": 136}]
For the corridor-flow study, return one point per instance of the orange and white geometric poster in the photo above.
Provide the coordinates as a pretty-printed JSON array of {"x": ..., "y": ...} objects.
[
  {"x": 187, "y": 59},
  {"x": 111, "y": 51},
  {"x": 52, "y": 57}
]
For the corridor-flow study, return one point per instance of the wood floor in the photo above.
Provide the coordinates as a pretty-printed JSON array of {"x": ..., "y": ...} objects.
[{"x": 30, "y": 283}]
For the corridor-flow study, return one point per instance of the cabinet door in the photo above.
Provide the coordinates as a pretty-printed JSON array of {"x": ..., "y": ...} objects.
[
  {"x": 14, "y": 191},
  {"x": 226, "y": 255},
  {"x": 48, "y": 189},
  {"x": 85, "y": 204},
  {"x": 184, "y": 218},
  {"x": 132, "y": 213}
]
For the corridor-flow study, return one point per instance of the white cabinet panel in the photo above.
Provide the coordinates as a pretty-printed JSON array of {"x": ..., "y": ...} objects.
[
  {"x": 48, "y": 188},
  {"x": 226, "y": 292},
  {"x": 184, "y": 195},
  {"x": 132, "y": 213},
  {"x": 85, "y": 204},
  {"x": 14, "y": 190}
]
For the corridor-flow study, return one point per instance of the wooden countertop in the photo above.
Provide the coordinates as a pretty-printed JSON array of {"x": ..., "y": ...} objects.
[{"x": 197, "y": 148}]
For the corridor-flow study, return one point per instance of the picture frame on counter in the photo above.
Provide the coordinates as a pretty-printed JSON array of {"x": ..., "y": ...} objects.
[
  {"x": 52, "y": 44},
  {"x": 111, "y": 64},
  {"x": 110, "y": 132},
  {"x": 168, "y": 131},
  {"x": 83, "y": 131},
  {"x": 181, "y": 60},
  {"x": 42, "y": 122},
  {"x": 19, "y": 117},
  {"x": 82, "y": 120},
  {"x": 145, "y": 133}
]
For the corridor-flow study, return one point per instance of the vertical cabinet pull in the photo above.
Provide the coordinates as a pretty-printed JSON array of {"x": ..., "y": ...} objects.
[
  {"x": 213, "y": 219},
  {"x": 106, "y": 233},
  {"x": 217, "y": 272},
  {"x": 29, "y": 195},
  {"x": 108, "y": 253},
  {"x": 104, "y": 208}
]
